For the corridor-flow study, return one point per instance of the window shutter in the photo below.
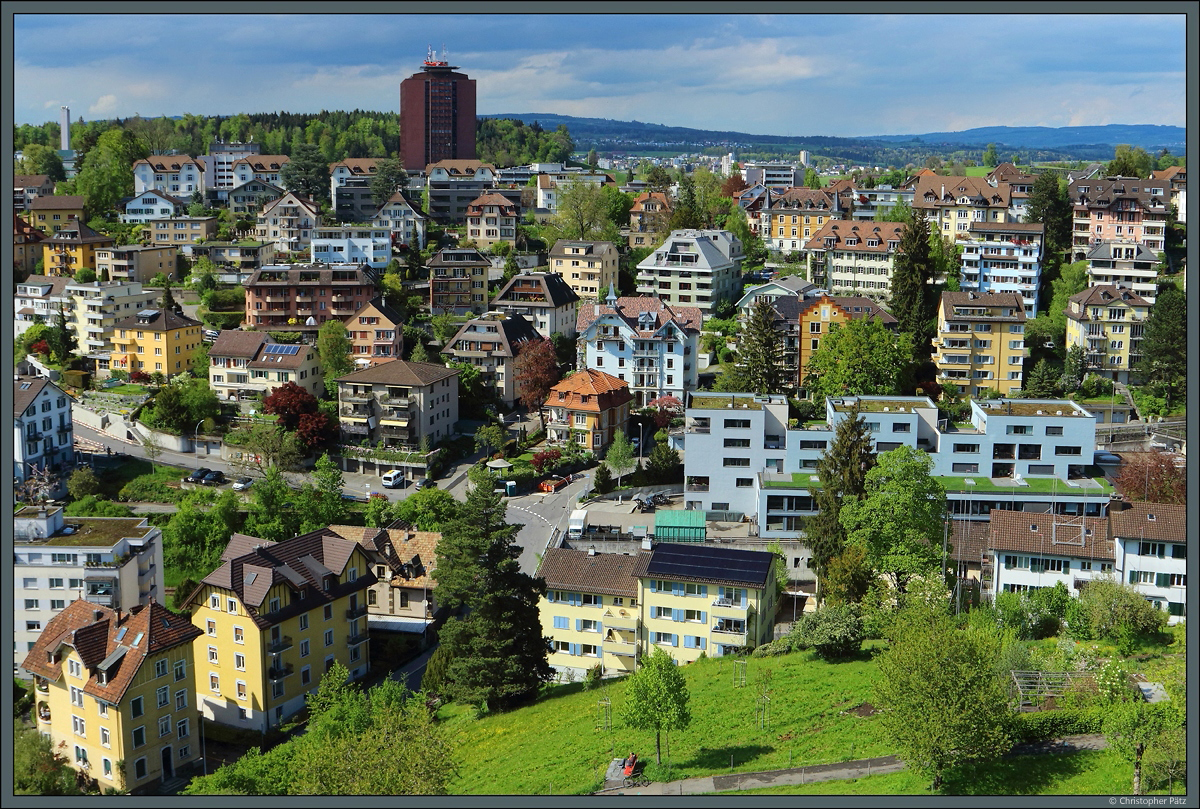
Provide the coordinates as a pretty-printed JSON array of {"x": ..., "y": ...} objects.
[
  {"x": 1179, "y": 551},
  {"x": 1133, "y": 577},
  {"x": 704, "y": 617},
  {"x": 561, "y": 622},
  {"x": 701, "y": 643},
  {"x": 654, "y": 585},
  {"x": 677, "y": 588},
  {"x": 578, "y": 624},
  {"x": 704, "y": 590},
  {"x": 687, "y": 642},
  {"x": 574, "y": 649},
  {"x": 676, "y": 615},
  {"x": 1162, "y": 580},
  {"x": 1162, "y": 549},
  {"x": 674, "y": 640},
  {"x": 1066, "y": 566}
]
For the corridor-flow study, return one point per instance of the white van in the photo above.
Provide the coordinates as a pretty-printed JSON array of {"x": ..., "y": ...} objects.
[{"x": 393, "y": 479}]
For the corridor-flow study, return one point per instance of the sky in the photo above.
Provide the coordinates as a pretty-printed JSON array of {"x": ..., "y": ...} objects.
[{"x": 839, "y": 75}]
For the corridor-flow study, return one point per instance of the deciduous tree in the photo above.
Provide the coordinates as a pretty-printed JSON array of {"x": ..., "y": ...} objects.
[
  {"x": 320, "y": 503},
  {"x": 619, "y": 457},
  {"x": 1130, "y": 728},
  {"x": 581, "y": 209},
  {"x": 1152, "y": 477},
  {"x": 428, "y": 509},
  {"x": 289, "y": 402},
  {"x": 271, "y": 514},
  {"x": 656, "y": 698},
  {"x": 859, "y": 358},
  {"x": 536, "y": 371},
  {"x": 333, "y": 347}
]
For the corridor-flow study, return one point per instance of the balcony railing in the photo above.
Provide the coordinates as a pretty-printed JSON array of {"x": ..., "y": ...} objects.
[
  {"x": 355, "y": 640},
  {"x": 356, "y": 612},
  {"x": 279, "y": 672},
  {"x": 284, "y": 643},
  {"x": 730, "y": 603}
]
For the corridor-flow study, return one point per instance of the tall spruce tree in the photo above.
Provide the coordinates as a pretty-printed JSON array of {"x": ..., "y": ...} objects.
[
  {"x": 1050, "y": 206},
  {"x": 913, "y": 299},
  {"x": 1164, "y": 345},
  {"x": 497, "y": 654},
  {"x": 843, "y": 476},
  {"x": 760, "y": 351}
]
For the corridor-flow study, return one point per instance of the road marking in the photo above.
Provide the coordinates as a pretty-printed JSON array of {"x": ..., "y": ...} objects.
[{"x": 534, "y": 513}]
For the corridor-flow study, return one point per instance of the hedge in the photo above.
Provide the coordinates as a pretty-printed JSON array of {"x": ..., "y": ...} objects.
[{"x": 1042, "y": 725}]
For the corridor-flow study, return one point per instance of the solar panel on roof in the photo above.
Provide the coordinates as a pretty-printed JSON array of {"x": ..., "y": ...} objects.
[
  {"x": 276, "y": 348},
  {"x": 726, "y": 564},
  {"x": 147, "y": 313}
]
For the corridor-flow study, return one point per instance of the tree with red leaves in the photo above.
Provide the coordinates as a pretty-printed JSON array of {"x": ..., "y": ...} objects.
[
  {"x": 290, "y": 402},
  {"x": 735, "y": 185},
  {"x": 665, "y": 409},
  {"x": 40, "y": 347},
  {"x": 139, "y": 377},
  {"x": 545, "y": 459},
  {"x": 536, "y": 369},
  {"x": 313, "y": 429},
  {"x": 1152, "y": 477}
]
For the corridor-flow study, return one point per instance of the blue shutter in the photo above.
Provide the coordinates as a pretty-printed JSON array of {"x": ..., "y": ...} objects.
[
  {"x": 687, "y": 642},
  {"x": 704, "y": 617},
  {"x": 677, "y": 588},
  {"x": 574, "y": 649},
  {"x": 701, "y": 643},
  {"x": 578, "y": 624},
  {"x": 676, "y": 615},
  {"x": 654, "y": 585},
  {"x": 560, "y": 622},
  {"x": 674, "y": 640},
  {"x": 704, "y": 590}
]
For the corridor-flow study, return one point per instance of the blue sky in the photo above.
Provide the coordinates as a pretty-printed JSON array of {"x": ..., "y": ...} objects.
[{"x": 785, "y": 74}]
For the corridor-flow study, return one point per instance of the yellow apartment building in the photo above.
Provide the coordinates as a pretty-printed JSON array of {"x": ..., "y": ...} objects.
[
  {"x": 589, "y": 268},
  {"x": 980, "y": 343},
  {"x": 273, "y": 618},
  {"x": 1109, "y": 321},
  {"x": 589, "y": 407},
  {"x": 590, "y": 611},
  {"x": 115, "y": 692},
  {"x": 154, "y": 340},
  {"x": 50, "y": 214},
  {"x": 795, "y": 216},
  {"x": 71, "y": 248}
]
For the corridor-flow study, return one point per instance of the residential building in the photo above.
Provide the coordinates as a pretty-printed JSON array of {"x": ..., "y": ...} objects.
[
  {"x": 649, "y": 216},
  {"x": 27, "y": 248},
  {"x": 177, "y": 231},
  {"x": 550, "y": 185},
  {"x": 1020, "y": 185},
  {"x": 154, "y": 340},
  {"x": 458, "y": 281},
  {"x": 399, "y": 403},
  {"x": 43, "y": 439},
  {"x": 819, "y": 316},
  {"x": 352, "y": 244},
  {"x": 51, "y": 214},
  {"x": 491, "y": 343},
  {"x": 250, "y": 197},
  {"x": 697, "y": 268},
  {"x": 376, "y": 333},
  {"x": 401, "y": 600},
  {"x": 1003, "y": 257},
  {"x": 855, "y": 258},
  {"x": 114, "y": 562},
  {"x": 545, "y": 299},
  {"x": 249, "y": 364},
  {"x": 1118, "y": 209},
  {"x": 178, "y": 175},
  {"x": 788, "y": 286},
  {"x": 647, "y": 342},
  {"x": 350, "y": 188},
  {"x": 953, "y": 203},
  {"x": 72, "y": 247},
  {"x": 451, "y": 186},
  {"x": 1176, "y": 178},
  {"x": 982, "y": 464},
  {"x": 706, "y": 599},
  {"x": 1109, "y": 321},
  {"x": 244, "y": 256},
  {"x": 275, "y": 617},
  {"x": 1150, "y": 541},
  {"x": 96, "y": 308},
  {"x": 795, "y": 215},
  {"x": 492, "y": 219},
  {"x": 267, "y": 168},
  {"x": 980, "y": 343},
  {"x": 1032, "y": 551},
  {"x": 301, "y": 297},
  {"x": 151, "y": 204},
  {"x": 1129, "y": 263},
  {"x": 590, "y": 611},
  {"x": 754, "y": 200},
  {"x": 28, "y": 187},
  {"x": 588, "y": 407},
  {"x": 437, "y": 115},
  {"x": 40, "y": 297},
  {"x": 289, "y": 222},
  {"x": 589, "y": 268},
  {"x": 136, "y": 262},
  {"x": 218, "y": 165},
  {"x": 868, "y": 202},
  {"x": 776, "y": 176},
  {"x": 115, "y": 694},
  {"x": 403, "y": 220}
]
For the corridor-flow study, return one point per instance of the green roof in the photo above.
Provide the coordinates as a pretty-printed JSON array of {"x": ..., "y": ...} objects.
[{"x": 678, "y": 518}]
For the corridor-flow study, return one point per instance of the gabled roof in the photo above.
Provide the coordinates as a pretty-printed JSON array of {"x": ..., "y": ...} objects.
[
  {"x": 450, "y": 257},
  {"x": 30, "y": 180},
  {"x": 491, "y": 198},
  {"x": 154, "y": 192},
  {"x": 854, "y": 306},
  {"x": 400, "y": 372},
  {"x": 358, "y": 166},
  {"x": 236, "y": 343},
  {"x": 410, "y": 555},
  {"x": 264, "y": 162},
  {"x": 865, "y": 232},
  {"x": 161, "y": 321},
  {"x": 686, "y": 318},
  {"x": 459, "y": 167},
  {"x": 56, "y": 203},
  {"x": 553, "y": 287},
  {"x": 105, "y": 640},
  {"x": 168, "y": 162},
  {"x": 25, "y": 390},
  {"x": 605, "y": 573},
  {"x": 969, "y": 540},
  {"x": 589, "y": 248},
  {"x": 816, "y": 199},
  {"x": 512, "y": 331},
  {"x": 1107, "y": 295},
  {"x": 602, "y": 391},
  {"x": 1151, "y": 521},
  {"x": 57, "y": 283},
  {"x": 935, "y": 190},
  {"x": 1104, "y": 251},
  {"x": 1050, "y": 535},
  {"x": 639, "y": 202},
  {"x": 984, "y": 300},
  {"x": 379, "y": 304}
]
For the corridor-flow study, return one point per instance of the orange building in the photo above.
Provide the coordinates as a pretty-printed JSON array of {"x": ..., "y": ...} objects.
[{"x": 588, "y": 407}]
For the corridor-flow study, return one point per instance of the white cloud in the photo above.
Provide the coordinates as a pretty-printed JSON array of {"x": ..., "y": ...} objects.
[{"x": 105, "y": 105}]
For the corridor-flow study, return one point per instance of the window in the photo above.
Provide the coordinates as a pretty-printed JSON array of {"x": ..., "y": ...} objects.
[
  {"x": 1158, "y": 549},
  {"x": 184, "y": 752},
  {"x": 737, "y": 424},
  {"x": 212, "y": 628},
  {"x": 328, "y": 612},
  {"x": 231, "y": 605},
  {"x": 102, "y": 708},
  {"x": 81, "y": 755},
  {"x": 966, "y": 468},
  {"x": 304, "y": 622},
  {"x": 75, "y": 668},
  {"x": 238, "y": 635},
  {"x": 966, "y": 448},
  {"x": 105, "y": 738},
  {"x": 745, "y": 483},
  {"x": 164, "y": 725},
  {"x": 160, "y": 668},
  {"x": 139, "y": 737},
  {"x": 239, "y": 662},
  {"x": 1054, "y": 431},
  {"x": 180, "y": 670},
  {"x": 162, "y": 696},
  {"x": 56, "y": 584},
  {"x": 900, "y": 427},
  {"x": 736, "y": 462},
  {"x": 1068, "y": 450},
  {"x": 306, "y": 675},
  {"x": 304, "y": 648},
  {"x": 31, "y": 604},
  {"x": 77, "y": 696},
  {"x": 136, "y": 707},
  {"x": 328, "y": 637},
  {"x": 212, "y": 654},
  {"x": 139, "y": 766},
  {"x": 214, "y": 601},
  {"x": 241, "y": 689},
  {"x": 739, "y": 443},
  {"x": 214, "y": 683},
  {"x": 181, "y": 699}
]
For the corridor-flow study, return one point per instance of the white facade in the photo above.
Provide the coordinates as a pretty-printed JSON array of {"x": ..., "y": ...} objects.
[
  {"x": 1003, "y": 257},
  {"x": 772, "y": 175},
  {"x": 1151, "y": 551},
  {"x": 95, "y": 307},
  {"x": 693, "y": 268},
  {"x": 550, "y": 183},
  {"x": 405, "y": 223},
  {"x": 870, "y": 201},
  {"x": 122, "y": 568},
  {"x": 176, "y": 175},
  {"x": 39, "y": 296},
  {"x": 42, "y": 429},
  {"x": 148, "y": 206},
  {"x": 352, "y": 245},
  {"x": 1129, "y": 263}
]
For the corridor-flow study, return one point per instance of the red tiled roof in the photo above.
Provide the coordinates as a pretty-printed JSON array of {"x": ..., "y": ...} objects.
[
  {"x": 687, "y": 318},
  {"x": 1050, "y": 535},
  {"x": 604, "y": 573},
  {"x": 1155, "y": 521},
  {"x": 604, "y": 391}
]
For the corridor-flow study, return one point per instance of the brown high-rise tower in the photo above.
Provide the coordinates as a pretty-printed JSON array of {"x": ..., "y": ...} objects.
[{"x": 437, "y": 115}]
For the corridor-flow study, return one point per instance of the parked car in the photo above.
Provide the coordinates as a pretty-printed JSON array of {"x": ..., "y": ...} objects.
[
  {"x": 241, "y": 484},
  {"x": 426, "y": 483},
  {"x": 198, "y": 475},
  {"x": 214, "y": 478}
]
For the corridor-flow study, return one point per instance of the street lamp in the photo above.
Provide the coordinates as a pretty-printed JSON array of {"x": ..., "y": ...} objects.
[{"x": 196, "y": 434}]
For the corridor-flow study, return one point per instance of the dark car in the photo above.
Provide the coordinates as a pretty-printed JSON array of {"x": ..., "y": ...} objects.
[
  {"x": 426, "y": 483},
  {"x": 214, "y": 478},
  {"x": 198, "y": 475}
]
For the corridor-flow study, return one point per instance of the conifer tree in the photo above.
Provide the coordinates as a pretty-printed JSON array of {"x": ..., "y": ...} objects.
[
  {"x": 913, "y": 300},
  {"x": 760, "y": 352},
  {"x": 1164, "y": 345},
  {"x": 843, "y": 476}
]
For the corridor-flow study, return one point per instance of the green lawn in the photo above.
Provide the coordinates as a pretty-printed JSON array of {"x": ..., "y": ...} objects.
[
  {"x": 126, "y": 390},
  {"x": 112, "y": 479},
  {"x": 560, "y": 743},
  {"x": 956, "y": 483}
]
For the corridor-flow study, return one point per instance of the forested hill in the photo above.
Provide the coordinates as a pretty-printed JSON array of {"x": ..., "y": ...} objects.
[{"x": 1150, "y": 137}]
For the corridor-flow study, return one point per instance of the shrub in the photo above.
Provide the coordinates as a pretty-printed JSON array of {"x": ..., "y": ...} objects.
[
  {"x": 593, "y": 677},
  {"x": 773, "y": 649},
  {"x": 603, "y": 483},
  {"x": 1113, "y": 683},
  {"x": 833, "y": 632},
  {"x": 148, "y": 490},
  {"x": 82, "y": 483},
  {"x": 1106, "y": 604},
  {"x": 1014, "y": 614},
  {"x": 93, "y": 506},
  {"x": 1042, "y": 725},
  {"x": 139, "y": 377}
]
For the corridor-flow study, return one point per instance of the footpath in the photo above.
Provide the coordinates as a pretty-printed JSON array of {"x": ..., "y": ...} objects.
[{"x": 860, "y": 768}]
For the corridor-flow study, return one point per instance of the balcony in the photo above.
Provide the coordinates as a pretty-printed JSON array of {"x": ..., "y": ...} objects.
[
  {"x": 279, "y": 672},
  {"x": 729, "y": 603},
  {"x": 356, "y": 612},
  {"x": 282, "y": 644},
  {"x": 362, "y": 398},
  {"x": 350, "y": 428},
  {"x": 731, "y": 635},
  {"x": 697, "y": 487},
  {"x": 43, "y": 711},
  {"x": 355, "y": 640}
]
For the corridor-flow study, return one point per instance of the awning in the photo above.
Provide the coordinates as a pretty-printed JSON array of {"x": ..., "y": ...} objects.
[
  {"x": 499, "y": 463},
  {"x": 394, "y": 623}
]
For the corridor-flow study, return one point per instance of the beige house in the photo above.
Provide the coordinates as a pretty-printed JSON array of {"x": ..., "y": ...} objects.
[
  {"x": 135, "y": 262},
  {"x": 376, "y": 333},
  {"x": 1109, "y": 321},
  {"x": 398, "y": 403},
  {"x": 589, "y": 268},
  {"x": 980, "y": 343},
  {"x": 180, "y": 230},
  {"x": 244, "y": 364},
  {"x": 288, "y": 222},
  {"x": 491, "y": 343},
  {"x": 492, "y": 219}
]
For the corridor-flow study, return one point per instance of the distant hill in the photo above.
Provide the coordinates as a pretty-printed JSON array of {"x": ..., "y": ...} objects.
[{"x": 1149, "y": 136}]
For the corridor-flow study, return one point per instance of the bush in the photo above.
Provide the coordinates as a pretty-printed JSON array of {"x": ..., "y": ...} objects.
[
  {"x": 93, "y": 506},
  {"x": 773, "y": 649},
  {"x": 1113, "y": 683},
  {"x": 1105, "y": 605},
  {"x": 833, "y": 632},
  {"x": 592, "y": 680},
  {"x": 1039, "y": 726},
  {"x": 148, "y": 490},
  {"x": 82, "y": 483},
  {"x": 77, "y": 379}
]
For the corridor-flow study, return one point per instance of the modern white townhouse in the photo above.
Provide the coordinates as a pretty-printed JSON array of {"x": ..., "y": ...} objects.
[
  {"x": 178, "y": 175},
  {"x": 697, "y": 268}
]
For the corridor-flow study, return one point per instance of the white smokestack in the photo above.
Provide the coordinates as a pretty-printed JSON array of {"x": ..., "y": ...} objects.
[{"x": 64, "y": 129}]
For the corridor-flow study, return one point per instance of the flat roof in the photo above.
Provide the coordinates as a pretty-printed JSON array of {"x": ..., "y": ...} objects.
[
  {"x": 723, "y": 401},
  {"x": 1043, "y": 408},
  {"x": 679, "y": 518},
  {"x": 845, "y": 405}
]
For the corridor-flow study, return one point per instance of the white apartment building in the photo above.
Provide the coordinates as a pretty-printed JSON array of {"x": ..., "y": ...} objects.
[
  {"x": 403, "y": 220},
  {"x": 697, "y": 268},
  {"x": 1003, "y": 257},
  {"x": 544, "y": 299},
  {"x": 648, "y": 343},
  {"x": 1014, "y": 454},
  {"x": 870, "y": 201},
  {"x": 589, "y": 268},
  {"x": 772, "y": 175},
  {"x": 1150, "y": 540},
  {"x": 1129, "y": 263},
  {"x": 551, "y": 183},
  {"x": 40, "y": 296},
  {"x": 97, "y": 306},
  {"x": 149, "y": 205},
  {"x": 265, "y": 167},
  {"x": 178, "y": 175},
  {"x": 352, "y": 244},
  {"x": 42, "y": 430},
  {"x": 116, "y": 562},
  {"x": 218, "y": 163},
  {"x": 288, "y": 222}
]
